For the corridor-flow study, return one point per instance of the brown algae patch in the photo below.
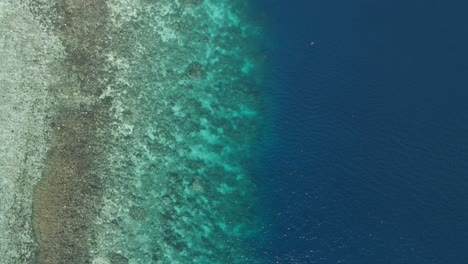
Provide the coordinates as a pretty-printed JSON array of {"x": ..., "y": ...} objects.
[{"x": 67, "y": 198}]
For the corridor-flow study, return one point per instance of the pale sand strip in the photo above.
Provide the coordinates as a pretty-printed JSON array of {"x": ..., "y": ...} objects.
[{"x": 26, "y": 54}]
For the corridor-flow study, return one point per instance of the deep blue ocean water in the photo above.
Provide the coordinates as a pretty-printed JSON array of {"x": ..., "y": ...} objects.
[{"x": 367, "y": 160}]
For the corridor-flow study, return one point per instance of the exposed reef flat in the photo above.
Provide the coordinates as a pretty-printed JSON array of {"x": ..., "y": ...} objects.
[{"x": 149, "y": 111}]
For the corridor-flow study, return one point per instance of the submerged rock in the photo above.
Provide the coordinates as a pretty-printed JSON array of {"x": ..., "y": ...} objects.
[
  {"x": 195, "y": 70},
  {"x": 116, "y": 258},
  {"x": 138, "y": 213}
]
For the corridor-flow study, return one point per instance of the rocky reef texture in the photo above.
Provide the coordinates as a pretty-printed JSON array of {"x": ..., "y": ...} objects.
[
  {"x": 68, "y": 196},
  {"x": 131, "y": 131}
]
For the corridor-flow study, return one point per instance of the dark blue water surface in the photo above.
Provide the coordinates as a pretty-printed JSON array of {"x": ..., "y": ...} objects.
[{"x": 368, "y": 157}]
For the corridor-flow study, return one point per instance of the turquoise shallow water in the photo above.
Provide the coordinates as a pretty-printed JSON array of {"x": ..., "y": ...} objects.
[{"x": 186, "y": 108}]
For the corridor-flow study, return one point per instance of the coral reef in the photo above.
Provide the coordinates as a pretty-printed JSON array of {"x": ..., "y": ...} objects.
[{"x": 147, "y": 111}]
